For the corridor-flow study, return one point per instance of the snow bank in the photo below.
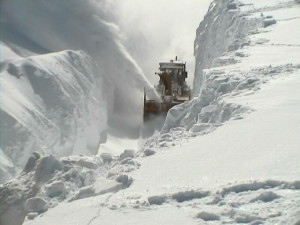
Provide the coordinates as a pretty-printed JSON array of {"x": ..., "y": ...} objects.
[
  {"x": 224, "y": 40},
  {"x": 223, "y": 29},
  {"x": 53, "y": 103},
  {"x": 38, "y": 27},
  {"x": 60, "y": 103}
]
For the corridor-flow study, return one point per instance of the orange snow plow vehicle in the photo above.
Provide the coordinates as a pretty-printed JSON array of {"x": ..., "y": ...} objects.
[{"x": 172, "y": 89}]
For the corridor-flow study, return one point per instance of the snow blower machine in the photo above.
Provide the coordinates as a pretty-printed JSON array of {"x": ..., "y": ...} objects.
[{"x": 172, "y": 89}]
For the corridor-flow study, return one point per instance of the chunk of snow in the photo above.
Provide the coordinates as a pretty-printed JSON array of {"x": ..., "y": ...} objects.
[
  {"x": 84, "y": 192},
  {"x": 189, "y": 195},
  {"x": 198, "y": 127},
  {"x": 157, "y": 200},
  {"x": 269, "y": 21},
  {"x": 32, "y": 215},
  {"x": 31, "y": 162},
  {"x": 36, "y": 204},
  {"x": 46, "y": 168},
  {"x": 106, "y": 157},
  {"x": 266, "y": 197},
  {"x": 149, "y": 152},
  {"x": 127, "y": 154},
  {"x": 232, "y": 5},
  {"x": 246, "y": 218},
  {"x": 207, "y": 216},
  {"x": 124, "y": 179},
  {"x": 55, "y": 189}
]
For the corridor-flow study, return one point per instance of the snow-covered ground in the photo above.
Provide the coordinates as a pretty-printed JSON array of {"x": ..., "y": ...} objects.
[{"x": 229, "y": 156}]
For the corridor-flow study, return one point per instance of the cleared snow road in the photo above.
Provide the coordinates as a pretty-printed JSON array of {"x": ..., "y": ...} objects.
[{"x": 265, "y": 145}]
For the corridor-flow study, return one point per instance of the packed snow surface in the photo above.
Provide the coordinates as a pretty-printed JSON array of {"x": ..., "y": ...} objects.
[{"x": 229, "y": 156}]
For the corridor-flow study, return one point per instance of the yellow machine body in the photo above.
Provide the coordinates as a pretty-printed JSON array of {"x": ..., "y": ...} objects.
[{"x": 172, "y": 89}]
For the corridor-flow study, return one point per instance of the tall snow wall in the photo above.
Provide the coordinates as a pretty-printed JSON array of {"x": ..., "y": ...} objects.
[
  {"x": 56, "y": 100},
  {"x": 225, "y": 28},
  {"x": 54, "y": 103}
]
